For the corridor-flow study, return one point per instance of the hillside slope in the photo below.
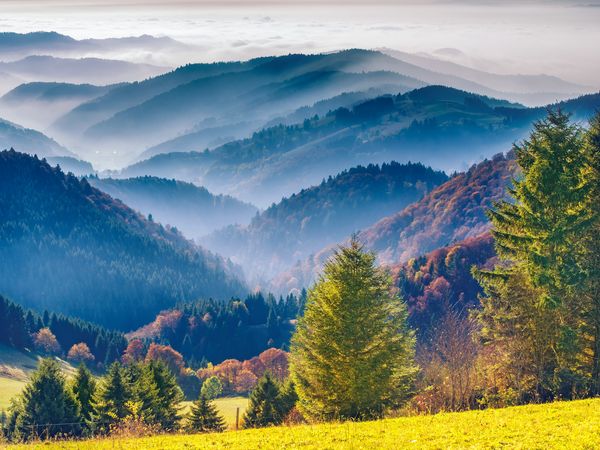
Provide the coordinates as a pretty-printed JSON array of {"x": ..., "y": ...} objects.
[
  {"x": 73, "y": 249},
  {"x": 29, "y": 141},
  {"x": 557, "y": 425},
  {"x": 320, "y": 215},
  {"x": 192, "y": 209},
  {"x": 452, "y": 212}
]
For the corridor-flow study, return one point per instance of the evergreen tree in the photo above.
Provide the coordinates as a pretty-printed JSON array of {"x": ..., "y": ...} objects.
[
  {"x": 112, "y": 397},
  {"x": 204, "y": 417},
  {"x": 591, "y": 257},
  {"x": 165, "y": 407},
  {"x": 287, "y": 398},
  {"x": 84, "y": 388},
  {"x": 534, "y": 302},
  {"x": 46, "y": 407},
  {"x": 264, "y": 407},
  {"x": 352, "y": 353}
]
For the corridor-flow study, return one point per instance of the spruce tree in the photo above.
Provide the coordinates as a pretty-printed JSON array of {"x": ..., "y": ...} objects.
[
  {"x": 264, "y": 407},
  {"x": 112, "y": 397},
  {"x": 84, "y": 387},
  {"x": 352, "y": 355},
  {"x": 204, "y": 417},
  {"x": 168, "y": 395},
  {"x": 46, "y": 407},
  {"x": 540, "y": 236}
]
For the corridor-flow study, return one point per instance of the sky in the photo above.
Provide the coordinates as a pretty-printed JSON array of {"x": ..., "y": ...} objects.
[{"x": 553, "y": 37}]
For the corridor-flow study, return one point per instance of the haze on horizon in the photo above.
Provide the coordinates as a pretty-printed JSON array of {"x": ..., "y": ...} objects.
[{"x": 552, "y": 37}]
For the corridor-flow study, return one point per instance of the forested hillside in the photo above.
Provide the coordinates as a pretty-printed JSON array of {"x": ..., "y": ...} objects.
[
  {"x": 73, "y": 249},
  {"x": 192, "y": 209},
  {"x": 438, "y": 126},
  {"x": 56, "y": 334},
  {"x": 315, "y": 217},
  {"x": 29, "y": 141},
  {"x": 452, "y": 212}
]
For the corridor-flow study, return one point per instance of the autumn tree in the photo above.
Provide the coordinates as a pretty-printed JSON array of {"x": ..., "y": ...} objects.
[
  {"x": 171, "y": 358},
  {"x": 80, "y": 353},
  {"x": 352, "y": 353},
  {"x": 45, "y": 342},
  {"x": 134, "y": 352}
]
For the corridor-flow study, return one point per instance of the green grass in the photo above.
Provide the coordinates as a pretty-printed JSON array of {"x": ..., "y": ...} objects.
[
  {"x": 9, "y": 388},
  {"x": 562, "y": 425}
]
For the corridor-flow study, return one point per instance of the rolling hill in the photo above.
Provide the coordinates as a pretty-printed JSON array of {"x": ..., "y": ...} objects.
[
  {"x": 192, "y": 209},
  {"x": 29, "y": 141},
  {"x": 320, "y": 215},
  {"x": 450, "y": 213},
  {"x": 439, "y": 126},
  {"x": 75, "y": 250}
]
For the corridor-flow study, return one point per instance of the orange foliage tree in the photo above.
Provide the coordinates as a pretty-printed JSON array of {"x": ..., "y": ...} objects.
[
  {"x": 166, "y": 354},
  {"x": 80, "y": 353}
]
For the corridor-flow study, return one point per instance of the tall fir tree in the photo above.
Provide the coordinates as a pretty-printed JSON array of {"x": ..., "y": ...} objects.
[
  {"x": 84, "y": 388},
  {"x": 538, "y": 235},
  {"x": 352, "y": 355},
  {"x": 111, "y": 398},
  {"x": 168, "y": 395},
  {"x": 204, "y": 417},
  {"x": 46, "y": 407}
]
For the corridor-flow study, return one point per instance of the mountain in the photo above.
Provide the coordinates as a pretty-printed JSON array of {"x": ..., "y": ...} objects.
[
  {"x": 39, "y": 104},
  {"x": 450, "y": 213},
  {"x": 20, "y": 45},
  {"x": 75, "y": 250},
  {"x": 79, "y": 70},
  {"x": 29, "y": 141},
  {"x": 192, "y": 209},
  {"x": 68, "y": 164},
  {"x": 442, "y": 127},
  {"x": 297, "y": 226},
  {"x": 533, "y": 90},
  {"x": 231, "y": 98}
]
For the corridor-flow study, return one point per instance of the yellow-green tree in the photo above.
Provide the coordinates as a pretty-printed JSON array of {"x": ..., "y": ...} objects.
[{"x": 352, "y": 355}]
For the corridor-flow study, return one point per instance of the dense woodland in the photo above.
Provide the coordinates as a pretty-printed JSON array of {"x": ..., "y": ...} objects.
[
  {"x": 70, "y": 248},
  {"x": 212, "y": 331}
]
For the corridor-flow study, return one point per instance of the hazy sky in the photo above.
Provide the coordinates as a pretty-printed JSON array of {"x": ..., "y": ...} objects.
[{"x": 555, "y": 37}]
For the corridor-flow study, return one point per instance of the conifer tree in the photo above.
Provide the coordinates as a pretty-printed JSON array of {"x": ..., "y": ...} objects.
[
  {"x": 168, "y": 395},
  {"x": 352, "y": 355},
  {"x": 538, "y": 234},
  {"x": 46, "y": 407},
  {"x": 84, "y": 387},
  {"x": 264, "y": 407},
  {"x": 204, "y": 417},
  {"x": 112, "y": 397}
]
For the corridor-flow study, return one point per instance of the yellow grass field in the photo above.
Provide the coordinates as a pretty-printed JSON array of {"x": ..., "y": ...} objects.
[{"x": 561, "y": 425}]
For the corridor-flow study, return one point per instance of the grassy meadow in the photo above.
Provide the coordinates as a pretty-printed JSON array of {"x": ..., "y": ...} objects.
[{"x": 561, "y": 425}]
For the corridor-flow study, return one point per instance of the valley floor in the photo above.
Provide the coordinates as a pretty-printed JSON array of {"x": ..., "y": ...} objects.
[{"x": 564, "y": 425}]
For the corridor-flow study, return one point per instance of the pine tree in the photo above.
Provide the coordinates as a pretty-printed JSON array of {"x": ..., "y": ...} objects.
[
  {"x": 264, "y": 407},
  {"x": 204, "y": 417},
  {"x": 352, "y": 355},
  {"x": 46, "y": 407},
  {"x": 84, "y": 388},
  {"x": 112, "y": 397}
]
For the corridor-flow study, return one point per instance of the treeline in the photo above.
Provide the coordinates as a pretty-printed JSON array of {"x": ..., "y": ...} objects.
[
  {"x": 72, "y": 249},
  {"x": 212, "y": 331},
  {"x": 56, "y": 334}
]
